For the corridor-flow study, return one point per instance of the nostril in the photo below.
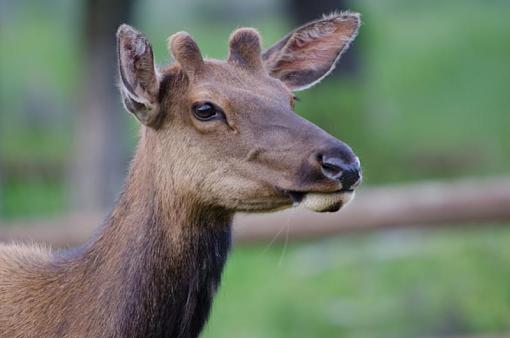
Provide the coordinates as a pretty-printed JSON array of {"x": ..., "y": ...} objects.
[
  {"x": 335, "y": 168},
  {"x": 331, "y": 166}
]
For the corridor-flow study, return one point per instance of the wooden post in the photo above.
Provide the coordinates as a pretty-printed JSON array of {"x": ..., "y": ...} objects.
[
  {"x": 424, "y": 204},
  {"x": 99, "y": 164}
]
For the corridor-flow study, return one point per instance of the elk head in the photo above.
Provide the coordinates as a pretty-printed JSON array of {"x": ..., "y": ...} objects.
[{"x": 224, "y": 132}]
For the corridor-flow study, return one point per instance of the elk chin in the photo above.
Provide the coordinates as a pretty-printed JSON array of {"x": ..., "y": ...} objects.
[{"x": 327, "y": 202}]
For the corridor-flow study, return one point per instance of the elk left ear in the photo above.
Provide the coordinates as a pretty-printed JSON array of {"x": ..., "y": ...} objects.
[
  {"x": 139, "y": 82},
  {"x": 309, "y": 53}
]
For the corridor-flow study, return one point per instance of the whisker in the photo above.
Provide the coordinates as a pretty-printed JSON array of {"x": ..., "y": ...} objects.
[
  {"x": 286, "y": 242},
  {"x": 268, "y": 246}
]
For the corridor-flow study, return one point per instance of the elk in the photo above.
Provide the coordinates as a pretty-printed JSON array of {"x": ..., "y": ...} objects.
[{"x": 217, "y": 137}]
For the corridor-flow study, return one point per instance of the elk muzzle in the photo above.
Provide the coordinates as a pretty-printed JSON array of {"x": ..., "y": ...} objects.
[{"x": 335, "y": 172}]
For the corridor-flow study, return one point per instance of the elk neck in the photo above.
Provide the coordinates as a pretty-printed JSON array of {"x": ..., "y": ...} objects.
[{"x": 156, "y": 263}]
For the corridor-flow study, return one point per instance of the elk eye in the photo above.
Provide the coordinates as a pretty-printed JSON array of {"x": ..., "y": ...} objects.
[{"x": 205, "y": 111}]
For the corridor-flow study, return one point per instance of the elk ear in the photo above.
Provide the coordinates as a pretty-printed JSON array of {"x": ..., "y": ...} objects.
[
  {"x": 309, "y": 53},
  {"x": 139, "y": 81}
]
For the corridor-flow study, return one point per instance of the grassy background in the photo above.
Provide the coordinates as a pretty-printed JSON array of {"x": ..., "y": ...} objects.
[
  {"x": 431, "y": 101},
  {"x": 396, "y": 284}
]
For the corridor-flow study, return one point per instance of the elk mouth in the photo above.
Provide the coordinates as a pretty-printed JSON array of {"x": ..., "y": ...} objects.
[{"x": 321, "y": 201}]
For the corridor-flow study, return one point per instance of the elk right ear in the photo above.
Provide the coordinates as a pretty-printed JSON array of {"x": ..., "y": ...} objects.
[
  {"x": 139, "y": 80},
  {"x": 309, "y": 53}
]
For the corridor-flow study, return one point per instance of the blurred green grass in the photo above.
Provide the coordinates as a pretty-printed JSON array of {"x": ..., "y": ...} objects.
[
  {"x": 398, "y": 284},
  {"x": 431, "y": 101}
]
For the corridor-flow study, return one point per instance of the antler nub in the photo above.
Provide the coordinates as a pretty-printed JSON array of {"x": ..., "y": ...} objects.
[
  {"x": 186, "y": 52},
  {"x": 245, "y": 48}
]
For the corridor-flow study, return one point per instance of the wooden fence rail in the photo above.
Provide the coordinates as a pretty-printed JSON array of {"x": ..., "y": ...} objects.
[{"x": 422, "y": 204}]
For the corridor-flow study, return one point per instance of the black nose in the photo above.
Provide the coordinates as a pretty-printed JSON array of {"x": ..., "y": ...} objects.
[{"x": 342, "y": 167}]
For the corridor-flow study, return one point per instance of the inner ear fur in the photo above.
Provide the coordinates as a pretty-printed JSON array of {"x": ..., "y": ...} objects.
[
  {"x": 139, "y": 79},
  {"x": 245, "y": 48},
  {"x": 309, "y": 53}
]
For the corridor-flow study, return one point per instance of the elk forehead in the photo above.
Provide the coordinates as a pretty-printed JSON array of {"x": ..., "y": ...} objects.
[
  {"x": 243, "y": 69},
  {"x": 225, "y": 79}
]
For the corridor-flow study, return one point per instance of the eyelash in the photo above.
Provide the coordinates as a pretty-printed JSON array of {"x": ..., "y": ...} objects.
[{"x": 293, "y": 101}]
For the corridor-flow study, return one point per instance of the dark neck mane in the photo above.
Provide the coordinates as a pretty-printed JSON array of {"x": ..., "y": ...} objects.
[{"x": 155, "y": 265}]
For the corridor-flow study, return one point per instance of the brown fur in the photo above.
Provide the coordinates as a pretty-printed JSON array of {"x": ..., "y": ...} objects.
[{"x": 152, "y": 269}]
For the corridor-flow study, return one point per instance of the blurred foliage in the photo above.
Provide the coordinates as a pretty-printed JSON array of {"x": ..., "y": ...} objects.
[{"x": 431, "y": 101}]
